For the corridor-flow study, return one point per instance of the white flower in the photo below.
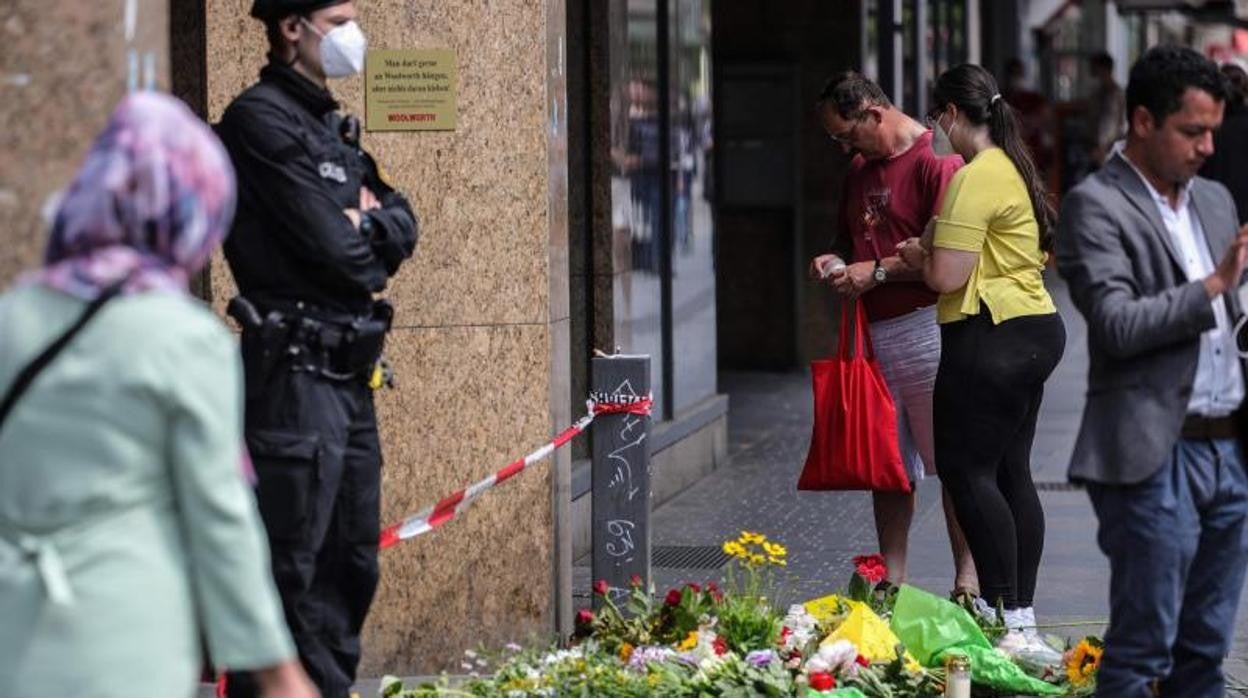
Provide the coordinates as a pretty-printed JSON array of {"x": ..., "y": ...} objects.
[
  {"x": 512, "y": 647},
  {"x": 470, "y": 654},
  {"x": 466, "y": 666},
  {"x": 802, "y": 627},
  {"x": 561, "y": 656},
  {"x": 835, "y": 657}
]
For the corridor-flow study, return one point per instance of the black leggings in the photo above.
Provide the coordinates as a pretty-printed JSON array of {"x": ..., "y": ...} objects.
[{"x": 986, "y": 403}]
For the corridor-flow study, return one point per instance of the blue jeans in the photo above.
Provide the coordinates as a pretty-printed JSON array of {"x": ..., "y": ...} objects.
[{"x": 1176, "y": 552}]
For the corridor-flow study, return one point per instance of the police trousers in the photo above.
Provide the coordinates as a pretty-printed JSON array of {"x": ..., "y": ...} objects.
[{"x": 313, "y": 441}]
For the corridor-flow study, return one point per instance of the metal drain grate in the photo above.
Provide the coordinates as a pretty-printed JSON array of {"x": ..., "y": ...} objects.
[
  {"x": 688, "y": 557},
  {"x": 1058, "y": 486}
]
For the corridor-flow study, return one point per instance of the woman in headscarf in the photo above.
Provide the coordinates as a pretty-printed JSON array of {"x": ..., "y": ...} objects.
[{"x": 128, "y": 534}]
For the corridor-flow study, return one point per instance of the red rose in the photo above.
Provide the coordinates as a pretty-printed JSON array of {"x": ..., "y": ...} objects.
[
  {"x": 720, "y": 645},
  {"x": 785, "y": 632},
  {"x": 601, "y": 587},
  {"x": 673, "y": 597},
  {"x": 862, "y": 661},
  {"x": 871, "y": 568},
  {"x": 713, "y": 589},
  {"x": 692, "y": 585},
  {"x": 635, "y": 580},
  {"x": 584, "y": 616},
  {"x": 822, "y": 681}
]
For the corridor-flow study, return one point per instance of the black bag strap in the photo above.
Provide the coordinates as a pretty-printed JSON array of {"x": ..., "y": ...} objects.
[{"x": 28, "y": 374}]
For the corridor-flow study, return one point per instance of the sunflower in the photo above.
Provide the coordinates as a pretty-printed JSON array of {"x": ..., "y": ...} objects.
[{"x": 1085, "y": 659}]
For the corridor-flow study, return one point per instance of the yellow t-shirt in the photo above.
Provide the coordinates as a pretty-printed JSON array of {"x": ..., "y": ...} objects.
[{"x": 987, "y": 210}]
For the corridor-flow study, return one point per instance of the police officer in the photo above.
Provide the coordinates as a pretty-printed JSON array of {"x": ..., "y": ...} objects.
[{"x": 318, "y": 232}]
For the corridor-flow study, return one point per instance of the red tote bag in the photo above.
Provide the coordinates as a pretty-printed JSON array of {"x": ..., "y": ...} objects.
[{"x": 853, "y": 444}]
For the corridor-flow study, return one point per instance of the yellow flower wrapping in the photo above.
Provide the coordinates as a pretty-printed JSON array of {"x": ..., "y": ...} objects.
[{"x": 869, "y": 633}]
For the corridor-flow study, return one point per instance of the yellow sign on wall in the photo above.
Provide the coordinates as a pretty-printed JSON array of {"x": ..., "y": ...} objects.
[{"x": 410, "y": 90}]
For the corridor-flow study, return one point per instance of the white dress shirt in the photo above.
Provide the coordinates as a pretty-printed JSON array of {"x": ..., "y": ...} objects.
[{"x": 1219, "y": 385}]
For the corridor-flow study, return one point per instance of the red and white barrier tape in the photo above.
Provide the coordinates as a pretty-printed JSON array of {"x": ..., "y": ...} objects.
[{"x": 430, "y": 518}]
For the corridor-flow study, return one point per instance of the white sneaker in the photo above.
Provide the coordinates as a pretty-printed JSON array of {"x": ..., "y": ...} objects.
[
  {"x": 1014, "y": 619},
  {"x": 986, "y": 612},
  {"x": 1023, "y": 641}
]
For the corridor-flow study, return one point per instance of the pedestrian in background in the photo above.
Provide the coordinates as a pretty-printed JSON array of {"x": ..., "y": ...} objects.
[
  {"x": 127, "y": 530},
  {"x": 1001, "y": 338},
  {"x": 894, "y": 185},
  {"x": 1153, "y": 255},
  {"x": 1229, "y": 162},
  {"x": 1106, "y": 107},
  {"x": 319, "y": 232},
  {"x": 1033, "y": 113}
]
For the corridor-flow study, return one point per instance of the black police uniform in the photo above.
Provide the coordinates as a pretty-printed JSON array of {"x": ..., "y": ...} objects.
[{"x": 312, "y": 334}]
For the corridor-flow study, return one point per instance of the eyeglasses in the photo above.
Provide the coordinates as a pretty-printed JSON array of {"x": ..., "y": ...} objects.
[{"x": 846, "y": 138}]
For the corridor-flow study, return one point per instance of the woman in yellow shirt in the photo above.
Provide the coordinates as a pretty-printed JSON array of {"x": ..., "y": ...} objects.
[{"x": 1001, "y": 337}]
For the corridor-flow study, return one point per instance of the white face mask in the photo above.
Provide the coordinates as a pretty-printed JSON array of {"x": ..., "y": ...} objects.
[
  {"x": 941, "y": 144},
  {"x": 342, "y": 49}
]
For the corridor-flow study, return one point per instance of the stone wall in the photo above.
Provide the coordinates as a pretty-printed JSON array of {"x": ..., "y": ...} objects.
[{"x": 64, "y": 66}]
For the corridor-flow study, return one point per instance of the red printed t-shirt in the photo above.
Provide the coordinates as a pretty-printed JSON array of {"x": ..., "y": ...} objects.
[{"x": 884, "y": 202}]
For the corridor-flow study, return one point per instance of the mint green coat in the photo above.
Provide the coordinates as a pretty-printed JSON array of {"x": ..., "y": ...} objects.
[{"x": 127, "y": 530}]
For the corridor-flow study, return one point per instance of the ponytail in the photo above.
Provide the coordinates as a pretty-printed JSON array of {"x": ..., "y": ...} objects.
[
  {"x": 974, "y": 91},
  {"x": 1004, "y": 131}
]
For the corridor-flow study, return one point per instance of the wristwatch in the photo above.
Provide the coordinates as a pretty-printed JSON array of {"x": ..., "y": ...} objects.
[{"x": 880, "y": 274}]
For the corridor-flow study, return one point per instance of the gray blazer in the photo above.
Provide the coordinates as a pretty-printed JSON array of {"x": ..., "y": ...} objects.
[{"x": 1144, "y": 317}]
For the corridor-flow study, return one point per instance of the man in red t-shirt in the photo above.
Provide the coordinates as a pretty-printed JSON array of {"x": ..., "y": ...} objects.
[{"x": 892, "y": 190}]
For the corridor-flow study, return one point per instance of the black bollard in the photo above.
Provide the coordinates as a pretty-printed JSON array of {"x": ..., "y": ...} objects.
[{"x": 621, "y": 476}]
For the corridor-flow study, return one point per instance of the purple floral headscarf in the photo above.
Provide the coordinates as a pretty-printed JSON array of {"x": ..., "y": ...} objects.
[{"x": 151, "y": 202}]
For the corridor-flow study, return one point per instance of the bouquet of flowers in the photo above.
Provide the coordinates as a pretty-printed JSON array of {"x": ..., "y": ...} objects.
[{"x": 702, "y": 640}]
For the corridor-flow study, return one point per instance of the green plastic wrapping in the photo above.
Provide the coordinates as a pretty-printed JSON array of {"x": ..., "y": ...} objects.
[
  {"x": 848, "y": 692},
  {"x": 932, "y": 628}
]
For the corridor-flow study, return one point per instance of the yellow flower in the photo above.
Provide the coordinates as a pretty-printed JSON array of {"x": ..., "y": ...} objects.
[
  {"x": 626, "y": 651},
  {"x": 757, "y": 559},
  {"x": 733, "y": 548},
  {"x": 777, "y": 561},
  {"x": 1083, "y": 663},
  {"x": 775, "y": 549},
  {"x": 689, "y": 642}
]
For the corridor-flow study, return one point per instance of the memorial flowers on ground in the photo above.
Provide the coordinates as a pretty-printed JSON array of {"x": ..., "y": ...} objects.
[
  {"x": 1082, "y": 662},
  {"x": 698, "y": 639}
]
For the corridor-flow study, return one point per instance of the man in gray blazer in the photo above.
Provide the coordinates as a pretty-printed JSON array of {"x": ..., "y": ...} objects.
[{"x": 1153, "y": 259}]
